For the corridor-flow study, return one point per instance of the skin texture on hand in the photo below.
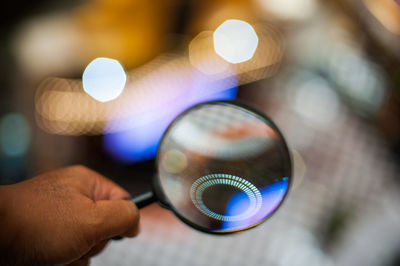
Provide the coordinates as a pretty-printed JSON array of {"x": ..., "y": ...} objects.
[{"x": 62, "y": 217}]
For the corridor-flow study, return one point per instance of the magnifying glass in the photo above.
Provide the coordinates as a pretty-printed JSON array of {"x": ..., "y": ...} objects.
[{"x": 222, "y": 167}]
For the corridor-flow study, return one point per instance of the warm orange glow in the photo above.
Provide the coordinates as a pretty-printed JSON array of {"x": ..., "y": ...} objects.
[
  {"x": 263, "y": 64},
  {"x": 387, "y": 12},
  {"x": 203, "y": 57},
  {"x": 63, "y": 107},
  {"x": 267, "y": 57}
]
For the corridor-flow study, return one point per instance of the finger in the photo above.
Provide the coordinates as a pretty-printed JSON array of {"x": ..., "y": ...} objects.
[
  {"x": 107, "y": 189},
  {"x": 95, "y": 185},
  {"x": 96, "y": 249},
  {"x": 117, "y": 217}
]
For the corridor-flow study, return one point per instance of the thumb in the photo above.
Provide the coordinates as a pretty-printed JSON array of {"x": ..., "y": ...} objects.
[{"x": 118, "y": 218}]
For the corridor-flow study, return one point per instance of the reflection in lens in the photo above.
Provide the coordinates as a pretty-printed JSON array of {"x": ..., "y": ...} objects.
[
  {"x": 227, "y": 127},
  {"x": 174, "y": 161},
  {"x": 209, "y": 181},
  {"x": 271, "y": 196},
  {"x": 237, "y": 167}
]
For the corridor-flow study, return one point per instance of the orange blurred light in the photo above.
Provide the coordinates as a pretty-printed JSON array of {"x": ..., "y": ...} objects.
[
  {"x": 63, "y": 107},
  {"x": 387, "y": 12}
]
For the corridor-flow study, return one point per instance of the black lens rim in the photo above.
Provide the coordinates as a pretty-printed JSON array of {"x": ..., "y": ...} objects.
[{"x": 163, "y": 199}]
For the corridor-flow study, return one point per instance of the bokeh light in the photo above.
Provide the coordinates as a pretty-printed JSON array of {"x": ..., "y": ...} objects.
[
  {"x": 159, "y": 93},
  {"x": 140, "y": 137},
  {"x": 63, "y": 108},
  {"x": 289, "y": 9},
  {"x": 267, "y": 57},
  {"x": 387, "y": 12},
  {"x": 264, "y": 63},
  {"x": 135, "y": 144},
  {"x": 168, "y": 82},
  {"x": 337, "y": 57},
  {"x": 174, "y": 161},
  {"x": 15, "y": 134},
  {"x": 235, "y": 41},
  {"x": 104, "y": 79},
  {"x": 315, "y": 101},
  {"x": 203, "y": 57},
  {"x": 365, "y": 87}
]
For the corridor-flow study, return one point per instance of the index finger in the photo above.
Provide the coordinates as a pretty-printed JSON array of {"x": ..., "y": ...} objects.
[{"x": 96, "y": 186}]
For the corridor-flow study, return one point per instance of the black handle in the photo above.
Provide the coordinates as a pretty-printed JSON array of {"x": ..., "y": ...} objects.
[
  {"x": 141, "y": 201},
  {"x": 144, "y": 199}
]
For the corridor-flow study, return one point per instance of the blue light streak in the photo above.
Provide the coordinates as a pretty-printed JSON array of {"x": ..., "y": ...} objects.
[{"x": 272, "y": 196}]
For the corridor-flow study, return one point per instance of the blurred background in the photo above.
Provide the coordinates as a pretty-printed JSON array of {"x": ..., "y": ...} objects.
[{"x": 96, "y": 82}]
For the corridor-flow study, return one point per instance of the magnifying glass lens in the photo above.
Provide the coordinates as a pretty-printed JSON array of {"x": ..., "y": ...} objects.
[{"x": 223, "y": 168}]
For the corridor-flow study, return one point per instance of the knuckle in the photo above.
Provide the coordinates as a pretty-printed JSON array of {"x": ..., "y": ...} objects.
[{"x": 79, "y": 168}]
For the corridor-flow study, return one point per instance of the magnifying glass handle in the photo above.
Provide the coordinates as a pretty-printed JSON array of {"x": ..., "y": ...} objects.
[
  {"x": 141, "y": 201},
  {"x": 144, "y": 199}
]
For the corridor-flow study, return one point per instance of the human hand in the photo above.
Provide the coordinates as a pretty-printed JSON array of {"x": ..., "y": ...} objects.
[{"x": 62, "y": 217}]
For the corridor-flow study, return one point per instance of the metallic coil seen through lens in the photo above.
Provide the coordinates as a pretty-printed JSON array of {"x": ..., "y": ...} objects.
[{"x": 201, "y": 184}]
